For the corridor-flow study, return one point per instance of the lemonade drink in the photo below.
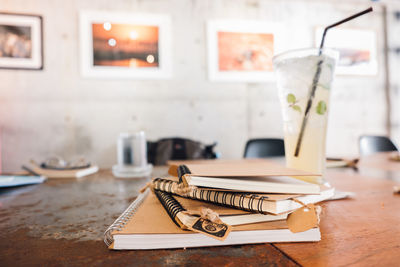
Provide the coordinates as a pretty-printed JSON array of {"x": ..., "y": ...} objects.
[{"x": 295, "y": 72}]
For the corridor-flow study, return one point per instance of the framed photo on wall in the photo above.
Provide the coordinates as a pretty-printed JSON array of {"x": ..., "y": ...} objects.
[
  {"x": 241, "y": 51},
  {"x": 21, "y": 41},
  {"x": 357, "y": 48},
  {"x": 125, "y": 45}
]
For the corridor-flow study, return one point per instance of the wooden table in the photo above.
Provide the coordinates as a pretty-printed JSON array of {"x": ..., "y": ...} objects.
[{"x": 61, "y": 222}]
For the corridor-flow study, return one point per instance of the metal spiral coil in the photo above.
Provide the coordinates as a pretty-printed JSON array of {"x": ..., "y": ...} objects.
[{"x": 123, "y": 219}]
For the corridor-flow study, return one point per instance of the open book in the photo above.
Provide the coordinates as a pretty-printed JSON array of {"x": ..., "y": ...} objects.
[{"x": 148, "y": 226}]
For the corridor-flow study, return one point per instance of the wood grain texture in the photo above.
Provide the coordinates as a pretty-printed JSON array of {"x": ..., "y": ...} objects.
[
  {"x": 62, "y": 221},
  {"x": 380, "y": 161},
  {"x": 363, "y": 231}
]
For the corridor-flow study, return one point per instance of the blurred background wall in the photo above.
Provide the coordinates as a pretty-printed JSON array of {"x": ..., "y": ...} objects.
[{"x": 56, "y": 111}]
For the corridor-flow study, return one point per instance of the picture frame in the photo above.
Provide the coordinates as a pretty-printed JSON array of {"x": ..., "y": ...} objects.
[
  {"x": 125, "y": 45},
  {"x": 241, "y": 50},
  {"x": 357, "y": 48},
  {"x": 21, "y": 41}
]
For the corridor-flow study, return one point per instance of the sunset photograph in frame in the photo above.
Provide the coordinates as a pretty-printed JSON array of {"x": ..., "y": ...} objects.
[
  {"x": 357, "y": 48},
  {"x": 245, "y": 51},
  {"x": 241, "y": 50},
  {"x": 125, "y": 45}
]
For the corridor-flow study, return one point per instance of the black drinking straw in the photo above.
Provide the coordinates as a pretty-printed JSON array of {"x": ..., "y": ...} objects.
[{"x": 316, "y": 78}]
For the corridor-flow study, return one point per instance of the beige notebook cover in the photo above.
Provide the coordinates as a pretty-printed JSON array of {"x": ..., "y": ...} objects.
[
  {"x": 239, "y": 168},
  {"x": 151, "y": 218}
]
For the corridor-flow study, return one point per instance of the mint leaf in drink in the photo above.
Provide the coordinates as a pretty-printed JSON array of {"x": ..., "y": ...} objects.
[
  {"x": 291, "y": 98},
  {"x": 321, "y": 107},
  {"x": 297, "y": 108}
]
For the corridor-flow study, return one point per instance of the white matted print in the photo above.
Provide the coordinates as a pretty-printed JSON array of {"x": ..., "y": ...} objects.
[
  {"x": 358, "y": 54},
  {"x": 21, "y": 41},
  {"x": 125, "y": 45},
  {"x": 241, "y": 51}
]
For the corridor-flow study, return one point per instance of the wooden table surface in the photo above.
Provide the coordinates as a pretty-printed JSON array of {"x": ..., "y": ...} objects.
[{"x": 61, "y": 222}]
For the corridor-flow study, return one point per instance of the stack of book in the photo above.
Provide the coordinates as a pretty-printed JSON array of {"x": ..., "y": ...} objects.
[{"x": 257, "y": 202}]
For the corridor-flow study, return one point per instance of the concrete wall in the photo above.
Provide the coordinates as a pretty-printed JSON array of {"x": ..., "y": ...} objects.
[{"x": 58, "y": 112}]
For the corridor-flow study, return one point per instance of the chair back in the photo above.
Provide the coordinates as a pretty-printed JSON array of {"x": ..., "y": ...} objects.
[
  {"x": 264, "y": 147},
  {"x": 176, "y": 148},
  {"x": 370, "y": 144}
]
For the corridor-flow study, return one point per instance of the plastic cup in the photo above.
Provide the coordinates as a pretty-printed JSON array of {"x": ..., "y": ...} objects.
[{"x": 295, "y": 72}]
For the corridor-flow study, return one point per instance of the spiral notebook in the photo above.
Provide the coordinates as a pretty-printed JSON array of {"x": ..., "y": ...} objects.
[
  {"x": 146, "y": 225},
  {"x": 248, "y": 171},
  {"x": 262, "y": 203}
]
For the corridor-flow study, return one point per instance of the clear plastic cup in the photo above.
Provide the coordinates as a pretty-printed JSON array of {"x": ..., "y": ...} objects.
[{"x": 295, "y": 72}]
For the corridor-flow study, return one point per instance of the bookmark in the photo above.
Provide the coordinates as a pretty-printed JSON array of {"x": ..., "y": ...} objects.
[{"x": 304, "y": 218}]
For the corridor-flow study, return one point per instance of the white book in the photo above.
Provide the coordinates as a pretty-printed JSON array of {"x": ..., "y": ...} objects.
[
  {"x": 251, "y": 218},
  {"x": 187, "y": 240},
  {"x": 74, "y": 173},
  {"x": 269, "y": 184}
]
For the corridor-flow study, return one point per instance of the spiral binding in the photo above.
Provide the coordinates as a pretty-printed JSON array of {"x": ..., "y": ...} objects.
[
  {"x": 255, "y": 202},
  {"x": 123, "y": 219},
  {"x": 182, "y": 170},
  {"x": 171, "y": 205}
]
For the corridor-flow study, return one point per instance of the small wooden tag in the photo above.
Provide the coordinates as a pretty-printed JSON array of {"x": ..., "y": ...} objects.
[
  {"x": 218, "y": 230},
  {"x": 302, "y": 219}
]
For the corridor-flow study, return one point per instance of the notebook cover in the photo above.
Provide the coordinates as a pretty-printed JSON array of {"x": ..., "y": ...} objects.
[
  {"x": 239, "y": 168},
  {"x": 151, "y": 218}
]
